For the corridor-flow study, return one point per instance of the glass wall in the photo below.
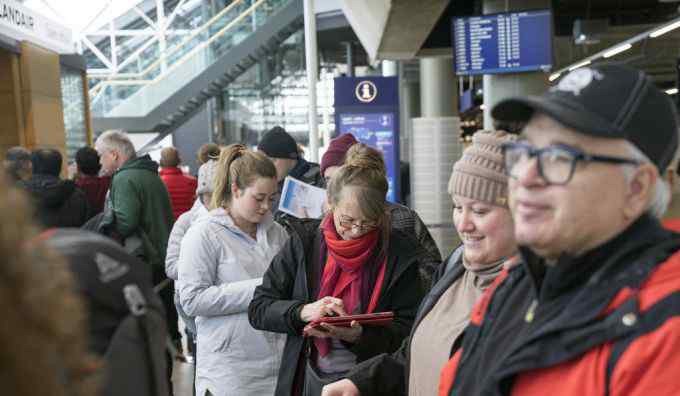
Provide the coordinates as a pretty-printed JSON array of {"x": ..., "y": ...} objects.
[{"x": 75, "y": 119}]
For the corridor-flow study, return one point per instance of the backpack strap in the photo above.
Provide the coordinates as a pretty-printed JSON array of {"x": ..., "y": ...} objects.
[{"x": 139, "y": 308}]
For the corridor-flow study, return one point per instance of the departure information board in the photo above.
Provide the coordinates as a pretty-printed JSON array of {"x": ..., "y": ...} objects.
[{"x": 503, "y": 43}]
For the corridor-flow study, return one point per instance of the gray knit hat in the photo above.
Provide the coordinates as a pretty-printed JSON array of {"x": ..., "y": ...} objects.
[
  {"x": 480, "y": 173},
  {"x": 206, "y": 177}
]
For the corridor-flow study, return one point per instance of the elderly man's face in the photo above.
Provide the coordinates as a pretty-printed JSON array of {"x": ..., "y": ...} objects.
[{"x": 580, "y": 215}]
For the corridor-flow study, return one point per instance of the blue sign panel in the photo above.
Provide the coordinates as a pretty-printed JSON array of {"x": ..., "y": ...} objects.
[
  {"x": 368, "y": 108},
  {"x": 366, "y": 91},
  {"x": 503, "y": 43},
  {"x": 376, "y": 130}
]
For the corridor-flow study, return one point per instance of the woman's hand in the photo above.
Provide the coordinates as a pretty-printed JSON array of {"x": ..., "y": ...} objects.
[
  {"x": 327, "y": 306},
  {"x": 350, "y": 334}
]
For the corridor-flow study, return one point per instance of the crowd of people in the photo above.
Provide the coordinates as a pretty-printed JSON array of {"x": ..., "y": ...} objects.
[{"x": 566, "y": 281}]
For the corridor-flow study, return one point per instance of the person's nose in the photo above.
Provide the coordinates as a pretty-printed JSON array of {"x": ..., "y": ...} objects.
[
  {"x": 527, "y": 173},
  {"x": 465, "y": 223}
]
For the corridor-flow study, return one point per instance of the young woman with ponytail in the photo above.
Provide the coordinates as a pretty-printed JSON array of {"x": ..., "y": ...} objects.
[
  {"x": 222, "y": 259},
  {"x": 350, "y": 262}
]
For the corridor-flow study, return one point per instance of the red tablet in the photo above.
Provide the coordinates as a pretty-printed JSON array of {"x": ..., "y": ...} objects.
[{"x": 374, "y": 319}]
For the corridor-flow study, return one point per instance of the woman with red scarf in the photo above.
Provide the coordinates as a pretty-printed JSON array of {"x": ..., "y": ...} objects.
[{"x": 350, "y": 262}]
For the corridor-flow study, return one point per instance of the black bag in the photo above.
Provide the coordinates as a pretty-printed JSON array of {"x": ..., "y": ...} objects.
[{"x": 126, "y": 318}]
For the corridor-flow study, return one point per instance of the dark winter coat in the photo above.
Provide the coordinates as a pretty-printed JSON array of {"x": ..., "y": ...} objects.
[
  {"x": 95, "y": 189},
  {"x": 606, "y": 323},
  {"x": 293, "y": 280},
  {"x": 58, "y": 203}
]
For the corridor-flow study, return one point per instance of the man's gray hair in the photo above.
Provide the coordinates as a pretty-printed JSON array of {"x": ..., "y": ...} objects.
[
  {"x": 118, "y": 140},
  {"x": 662, "y": 192}
]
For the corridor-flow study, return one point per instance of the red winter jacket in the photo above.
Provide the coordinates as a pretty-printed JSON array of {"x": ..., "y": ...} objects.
[
  {"x": 95, "y": 189},
  {"x": 613, "y": 331},
  {"x": 182, "y": 189}
]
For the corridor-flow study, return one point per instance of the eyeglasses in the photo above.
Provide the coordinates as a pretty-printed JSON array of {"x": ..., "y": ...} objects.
[
  {"x": 364, "y": 227},
  {"x": 556, "y": 164}
]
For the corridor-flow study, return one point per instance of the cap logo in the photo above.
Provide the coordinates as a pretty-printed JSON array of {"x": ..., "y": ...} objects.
[{"x": 577, "y": 80}]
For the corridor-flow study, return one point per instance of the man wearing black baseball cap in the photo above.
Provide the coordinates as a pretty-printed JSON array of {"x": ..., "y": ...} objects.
[
  {"x": 281, "y": 148},
  {"x": 593, "y": 307}
]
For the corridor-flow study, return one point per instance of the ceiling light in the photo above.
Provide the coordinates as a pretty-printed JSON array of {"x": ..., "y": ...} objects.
[
  {"x": 672, "y": 91},
  {"x": 617, "y": 50},
  {"x": 576, "y": 66},
  {"x": 664, "y": 29},
  {"x": 554, "y": 76}
]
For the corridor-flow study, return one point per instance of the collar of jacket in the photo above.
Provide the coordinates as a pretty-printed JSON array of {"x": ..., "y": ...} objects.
[
  {"x": 144, "y": 162},
  {"x": 571, "y": 272},
  {"x": 172, "y": 170},
  {"x": 221, "y": 217},
  {"x": 299, "y": 169}
]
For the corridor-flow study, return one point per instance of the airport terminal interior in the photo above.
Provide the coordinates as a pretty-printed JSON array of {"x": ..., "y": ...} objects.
[{"x": 416, "y": 80}]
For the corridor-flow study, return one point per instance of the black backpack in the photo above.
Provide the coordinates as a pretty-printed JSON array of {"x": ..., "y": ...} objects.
[{"x": 126, "y": 319}]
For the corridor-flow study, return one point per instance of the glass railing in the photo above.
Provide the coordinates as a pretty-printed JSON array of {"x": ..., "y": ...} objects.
[{"x": 151, "y": 75}]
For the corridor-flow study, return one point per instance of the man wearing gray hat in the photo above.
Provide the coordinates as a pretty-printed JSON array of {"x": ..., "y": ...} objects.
[{"x": 593, "y": 308}]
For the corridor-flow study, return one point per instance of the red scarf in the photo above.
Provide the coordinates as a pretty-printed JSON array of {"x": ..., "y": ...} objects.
[{"x": 344, "y": 272}]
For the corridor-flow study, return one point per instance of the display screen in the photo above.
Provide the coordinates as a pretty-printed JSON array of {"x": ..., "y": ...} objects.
[
  {"x": 503, "y": 43},
  {"x": 376, "y": 130}
]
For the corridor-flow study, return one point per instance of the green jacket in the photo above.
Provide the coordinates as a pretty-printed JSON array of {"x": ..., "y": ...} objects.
[{"x": 141, "y": 207}]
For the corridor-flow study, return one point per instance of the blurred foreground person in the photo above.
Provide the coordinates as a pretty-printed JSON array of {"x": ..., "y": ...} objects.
[
  {"x": 17, "y": 164},
  {"x": 43, "y": 341},
  {"x": 593, "y": 307}
]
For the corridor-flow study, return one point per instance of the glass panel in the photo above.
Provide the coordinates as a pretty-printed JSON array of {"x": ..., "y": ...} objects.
[{"x": 73, "y": 100}]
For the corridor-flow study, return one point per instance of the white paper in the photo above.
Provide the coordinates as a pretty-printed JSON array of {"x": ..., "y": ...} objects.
[{"x": 302, "y": 200}]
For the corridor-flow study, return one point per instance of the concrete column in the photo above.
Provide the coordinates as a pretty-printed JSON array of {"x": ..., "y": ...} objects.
[
  {"x": 500, "y": 86},
  {"x": 434, "y": 149},
  {"x": 438, "y": 94}
]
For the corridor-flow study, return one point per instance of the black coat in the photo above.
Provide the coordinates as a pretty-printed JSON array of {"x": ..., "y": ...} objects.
[
  {"x": 293, "y": 278},
  {"x": 387, "y": 374},
  {"x": 58, "y": 203}
]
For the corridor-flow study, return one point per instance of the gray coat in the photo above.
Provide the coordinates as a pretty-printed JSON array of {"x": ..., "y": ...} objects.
[{"x": 219, "y": 268}]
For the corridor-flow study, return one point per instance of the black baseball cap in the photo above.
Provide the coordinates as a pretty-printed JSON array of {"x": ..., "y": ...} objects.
[{"x": 609, "y": 101}]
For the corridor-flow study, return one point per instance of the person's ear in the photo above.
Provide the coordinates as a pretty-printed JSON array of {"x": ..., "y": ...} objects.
[
  {"x": 235, "y": 191},
  {"x": 640, "y": 190},
  {"x": 671, "y": 178}
]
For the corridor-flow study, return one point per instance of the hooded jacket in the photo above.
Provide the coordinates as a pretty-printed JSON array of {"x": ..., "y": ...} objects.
[
  {"x": 605, "y": 323},
  {"x": 293, "y": 280},
  {"x": 219, "y": 267},
  {"x": 58, "y": 203},
  {"x": 140, "y": 204}
]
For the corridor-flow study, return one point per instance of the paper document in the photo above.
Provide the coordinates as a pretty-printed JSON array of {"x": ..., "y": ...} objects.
[{"x": 302, "y": 200}]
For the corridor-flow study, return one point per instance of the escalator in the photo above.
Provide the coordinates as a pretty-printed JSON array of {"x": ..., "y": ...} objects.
[{"x": 159, "y": 94}]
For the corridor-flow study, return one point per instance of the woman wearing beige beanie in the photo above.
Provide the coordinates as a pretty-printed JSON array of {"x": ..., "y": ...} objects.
[{"x": 478, "y": 188}]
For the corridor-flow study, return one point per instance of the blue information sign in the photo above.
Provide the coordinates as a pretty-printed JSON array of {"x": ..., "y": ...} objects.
[
  {"x": 503, "y": 43},
  {"x": 368, "y": 108},
  {"x": 376, "y": 130}
]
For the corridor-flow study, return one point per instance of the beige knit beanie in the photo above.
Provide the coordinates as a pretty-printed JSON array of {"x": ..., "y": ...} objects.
[{"x": 480, "y": 173}]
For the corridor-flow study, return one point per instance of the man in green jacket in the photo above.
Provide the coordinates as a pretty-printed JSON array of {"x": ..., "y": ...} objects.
[
  {"x": 138, "y": 210},
  {"x": 138, "y": 198}
]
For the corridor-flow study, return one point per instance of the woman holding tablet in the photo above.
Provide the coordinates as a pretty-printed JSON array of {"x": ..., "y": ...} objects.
[{"x": 350, "y": 262}]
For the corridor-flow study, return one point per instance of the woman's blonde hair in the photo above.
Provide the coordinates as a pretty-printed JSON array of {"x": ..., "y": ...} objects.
[
  {"x": 43, "y": 344},
  {"x": 240, "y": 166},
  {"x": 365, "y": 172}
]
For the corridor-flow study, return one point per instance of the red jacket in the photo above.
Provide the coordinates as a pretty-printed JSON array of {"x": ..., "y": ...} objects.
[
  {"x": 615, "y": 331},
  {"x": 95, "y": 189},
  {"x": 182, "y": 189}
]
